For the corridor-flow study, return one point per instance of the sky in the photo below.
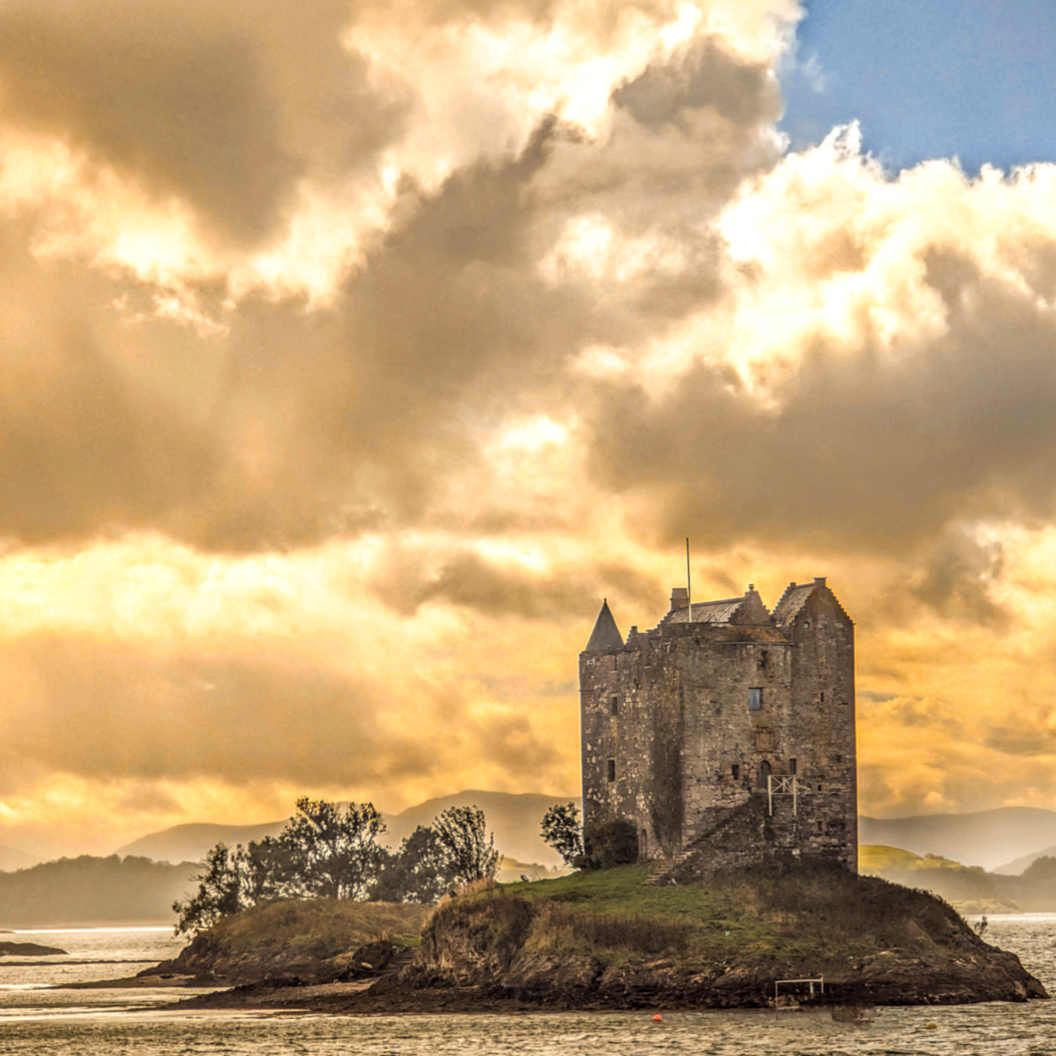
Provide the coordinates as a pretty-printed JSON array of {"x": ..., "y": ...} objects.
[{"x": 353, "y": 351}]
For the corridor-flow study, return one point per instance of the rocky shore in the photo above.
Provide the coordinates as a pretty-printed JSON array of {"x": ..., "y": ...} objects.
[
  {"x": 29, "y": 949},
  {"x": 603, "y": 941}
]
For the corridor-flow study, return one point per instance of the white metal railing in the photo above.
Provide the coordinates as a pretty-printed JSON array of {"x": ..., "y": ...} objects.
[
  {"x": 788, "y": 982},
  {"x": 781, "y": 786}
]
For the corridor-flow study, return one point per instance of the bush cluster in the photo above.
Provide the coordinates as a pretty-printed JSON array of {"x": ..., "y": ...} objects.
[{"x": 324, "y": 852}]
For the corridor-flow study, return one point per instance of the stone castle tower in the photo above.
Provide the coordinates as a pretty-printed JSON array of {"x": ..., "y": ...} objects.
[{"x": 726, "y": 734}]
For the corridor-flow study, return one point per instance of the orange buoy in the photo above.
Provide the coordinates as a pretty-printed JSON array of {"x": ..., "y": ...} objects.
[{"x": 658, "y": 1018}]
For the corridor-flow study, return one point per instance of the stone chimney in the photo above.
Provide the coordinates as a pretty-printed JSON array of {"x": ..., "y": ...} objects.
[{"x": 679, "y": 598}]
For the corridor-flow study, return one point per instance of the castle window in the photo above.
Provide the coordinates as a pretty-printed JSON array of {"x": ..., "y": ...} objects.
[
  {"x": 762, "y": 660},
  {"x": 612, "y": 769},
  {"x": 755, "y": 699},
  {"x": 823, "y": 696},
  {"x": 735, "y": 772},
  {"x": 615, "y": 705},
  {"x": 791, "y": 766}
]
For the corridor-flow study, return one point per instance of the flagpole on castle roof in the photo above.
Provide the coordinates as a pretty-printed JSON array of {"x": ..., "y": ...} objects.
[{"x": 689, "y": 585}]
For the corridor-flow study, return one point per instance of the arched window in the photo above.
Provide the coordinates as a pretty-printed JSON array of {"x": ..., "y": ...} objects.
[{"x": 764, "y": 773}]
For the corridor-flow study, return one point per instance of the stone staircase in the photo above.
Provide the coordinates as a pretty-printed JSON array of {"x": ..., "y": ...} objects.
[
  {"x": 664, "y": 867},
  {"x": 722, "y": 822}
]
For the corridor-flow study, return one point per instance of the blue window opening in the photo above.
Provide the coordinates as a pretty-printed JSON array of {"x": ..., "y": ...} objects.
[{"x": 755, "y": 699}]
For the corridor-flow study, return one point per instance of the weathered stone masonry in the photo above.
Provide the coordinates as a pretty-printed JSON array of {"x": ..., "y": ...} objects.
[{"x": 683, "y": 724}]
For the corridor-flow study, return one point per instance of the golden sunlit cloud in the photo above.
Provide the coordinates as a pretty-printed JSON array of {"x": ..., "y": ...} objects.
[{"x": 346, "y": 375}]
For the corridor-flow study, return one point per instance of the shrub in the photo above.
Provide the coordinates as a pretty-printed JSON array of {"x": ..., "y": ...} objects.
[{"x": 608, "y": 842}]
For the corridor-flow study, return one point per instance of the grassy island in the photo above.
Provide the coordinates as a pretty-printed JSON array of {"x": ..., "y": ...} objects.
[{"x": 608, "y": 940}]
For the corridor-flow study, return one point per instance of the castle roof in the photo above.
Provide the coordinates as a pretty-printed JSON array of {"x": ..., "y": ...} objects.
[
  {"x": 793, "y": 599},
  {"x": 606, "y": 635},
  {"x": 707, "y": 612}
]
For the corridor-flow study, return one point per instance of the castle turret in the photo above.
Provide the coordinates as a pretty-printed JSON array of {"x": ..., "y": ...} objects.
[{"x": 606, "y": 635}]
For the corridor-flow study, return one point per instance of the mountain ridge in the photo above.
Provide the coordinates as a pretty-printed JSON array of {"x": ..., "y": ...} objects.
[
  {"x": 514, "y": 818},
  {"x": 999, "y": 840}
]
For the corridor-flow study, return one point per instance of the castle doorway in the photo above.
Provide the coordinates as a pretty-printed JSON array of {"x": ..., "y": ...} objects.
[{"x": 764, "y": 773}]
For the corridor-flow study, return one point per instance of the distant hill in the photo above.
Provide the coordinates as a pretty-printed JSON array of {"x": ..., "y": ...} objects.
[
  {"x": 513, "y": 818},
  {"x": 990, "y": 838},
  {"x": 89, "y": 890},
  {"x": 1018, "y": 866},
  {"x": 189, "y": 843},
  {"x": 971, "y": 888}
]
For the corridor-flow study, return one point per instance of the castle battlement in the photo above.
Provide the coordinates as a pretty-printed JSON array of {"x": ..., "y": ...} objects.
[{"x": 727, "y": 730}]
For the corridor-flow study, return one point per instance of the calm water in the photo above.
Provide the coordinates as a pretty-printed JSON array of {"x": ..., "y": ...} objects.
[{"x": 113, "y": 1022}]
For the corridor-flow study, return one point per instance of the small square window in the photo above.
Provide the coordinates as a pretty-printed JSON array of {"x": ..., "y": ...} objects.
[
  {"x": 755, "y": 699},
  {"x": 735, "y": 771},
  {"x": 612, "y": 769},
  {"x": 615, "y": 705}
]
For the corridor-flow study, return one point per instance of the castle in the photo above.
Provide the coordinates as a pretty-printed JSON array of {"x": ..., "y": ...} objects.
[{"x": 727, "y": 733}]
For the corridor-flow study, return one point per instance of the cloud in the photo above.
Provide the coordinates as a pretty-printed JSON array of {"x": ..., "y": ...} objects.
[
  {"x": 875, "y": 430},
  {"x": 103, "y": 711},
  {"x": 224, "y": 105},
  {"x": 348, "y": 367}
]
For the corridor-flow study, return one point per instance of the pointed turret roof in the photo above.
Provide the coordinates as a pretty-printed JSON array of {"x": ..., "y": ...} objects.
[{"x": 606, "y": 635}]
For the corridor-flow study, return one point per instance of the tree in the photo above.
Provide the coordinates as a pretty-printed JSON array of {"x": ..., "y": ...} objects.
[
  {"x": 563, "y": 831},
  {"x": 221, "y": 891},
  {"x": 418, "y": 872},
  {"x": 330, "y": 854},
  {"x": 609, "y": 842},
  {"x": 467, "y": 846},
  {"x": 270, "y": 870}
]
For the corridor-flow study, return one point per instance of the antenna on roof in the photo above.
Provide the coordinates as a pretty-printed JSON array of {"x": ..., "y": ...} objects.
[{"x": 689, "y": 586}]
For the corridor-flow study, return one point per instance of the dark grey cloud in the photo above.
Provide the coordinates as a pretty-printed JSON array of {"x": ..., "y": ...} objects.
[
  {"x": 302, "y": 425},
  {"x": 222, "y": 105},
  {"x": 957, "y": 576},
  {"x": 705, "y": 75},
  {"x": 468, "y": 581},
  {"x": 867, "y": 450}
]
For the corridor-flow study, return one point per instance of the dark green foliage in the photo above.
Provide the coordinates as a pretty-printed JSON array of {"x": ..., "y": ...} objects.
[
  {"x": 417, "y": 872},
  {"x": 609, "y": 842},
  {"x": 562, "y": 829},
  {"x": 467, "y": 846},
  {"x": 324, "y": 852},
  {"x": 221, "y": 891},
  {"x": 321, "y": 853},
  {"x": 332, "y": 854}
]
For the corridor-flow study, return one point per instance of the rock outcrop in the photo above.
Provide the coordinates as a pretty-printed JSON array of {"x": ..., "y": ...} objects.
[{"x": 29, "y": 949}]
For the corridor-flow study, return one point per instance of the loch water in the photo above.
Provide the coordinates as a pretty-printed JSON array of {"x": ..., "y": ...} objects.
[{"x": 36, "y": 1020}]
